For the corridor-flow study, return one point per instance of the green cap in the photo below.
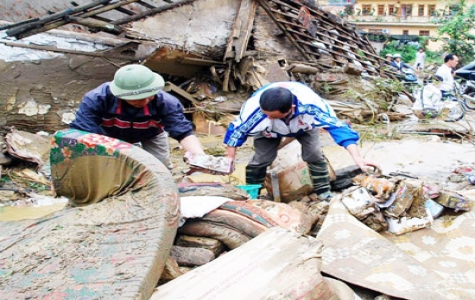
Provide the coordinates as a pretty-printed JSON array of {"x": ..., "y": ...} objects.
[{"x": 136, "y": 82}]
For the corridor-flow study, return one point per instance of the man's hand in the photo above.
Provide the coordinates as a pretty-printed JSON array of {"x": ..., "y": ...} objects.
[
  {"x": 365, "y": 166},
  {"x": 231, "y": 152},
  {"x": 192, "y": 144}
]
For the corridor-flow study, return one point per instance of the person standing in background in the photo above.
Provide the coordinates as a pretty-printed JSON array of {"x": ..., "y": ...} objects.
[
  {"x": 420, "y": 60},
  {"x": 446, "y": 72}
]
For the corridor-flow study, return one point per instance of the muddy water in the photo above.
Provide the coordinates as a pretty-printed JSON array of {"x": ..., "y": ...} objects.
[
  {"x": 34, "y": 207},
  {"x": 426, "y": 158},
  {"x": 15, "y": 213}
]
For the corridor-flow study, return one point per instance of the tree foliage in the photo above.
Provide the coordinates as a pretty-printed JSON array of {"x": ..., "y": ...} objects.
[
  {"x": 408, "y": 52},
  {"x": 456, "y": 31}
]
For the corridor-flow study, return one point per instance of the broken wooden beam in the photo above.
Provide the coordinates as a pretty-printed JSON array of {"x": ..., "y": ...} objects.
[
  {"x": 153, "y": 11},
  {"x": 8, "y": 26},
  {"x": 283, "y": 29},
  {"x": 170, "y": 87},
  {"x": 97, "y": 25},
  {"x": 241, "y": 31},
  {"x": 314, "y": 33},
  {"x": 19, "y": 30},
  {"x": 277, "y": 264}
]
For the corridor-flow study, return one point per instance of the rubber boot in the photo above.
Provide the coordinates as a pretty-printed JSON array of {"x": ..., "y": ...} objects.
[
  {"x": 320, "y": 178},
  {"x": 256, "y": 175}
]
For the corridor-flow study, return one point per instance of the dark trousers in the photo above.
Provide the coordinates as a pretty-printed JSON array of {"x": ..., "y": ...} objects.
[
  {"x": 266, "y": 149},
  {"x": 266, "y": 153}
]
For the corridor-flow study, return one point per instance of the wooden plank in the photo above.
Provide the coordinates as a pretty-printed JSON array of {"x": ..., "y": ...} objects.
[
  {"x": 322, "y": 15},
  {"x": 290, "y": 37},
  {"x": 97, "y": 25},
  {"x": 170, "y": 87},
  {"x": 8, "y": 26},
  {"x": 151, "y": 12},
  {"x": 361, "y": 47},
  {"x": 227, "y": 75},
  {"x": 299, "y": 26},
  {"x": 52, "y": 49},
  {"x": 199, "y": 61},
  {"x": 338, "y": 54},
  {"x": 111, "y": 53},
  {"x": 149, "y": 6},
  {"x": 241, "y": 31},
  {"x": 61, "y": 21},
  {"x": 94, "y": 17},
  {"x": 16, "y": 31},
  {"x": 277, "y": 264},
  {"x": 125, "y": 11}
]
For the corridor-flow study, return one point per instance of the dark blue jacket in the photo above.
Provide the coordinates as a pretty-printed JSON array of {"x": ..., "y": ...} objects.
[
  {"x": 101, "y": 112},
  {"x": 401, "y": 65}
]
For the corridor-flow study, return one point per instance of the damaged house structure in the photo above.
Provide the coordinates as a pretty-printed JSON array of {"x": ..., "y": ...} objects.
[
  {"x": 213, "y": 55},
  {"x": 208, "y": 50}
]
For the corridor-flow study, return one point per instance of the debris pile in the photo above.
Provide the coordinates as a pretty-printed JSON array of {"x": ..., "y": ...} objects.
[
  {"x": 399, "y": 204},
  {"x": 217, "y": 219},
  {"x": 209, "y": 231}
]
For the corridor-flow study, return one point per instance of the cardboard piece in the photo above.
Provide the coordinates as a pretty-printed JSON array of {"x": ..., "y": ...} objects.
[
  {"x": 289, "y": 178},
  {"x": 209, "y": 164},
  {"x": 277, "y": 264}
]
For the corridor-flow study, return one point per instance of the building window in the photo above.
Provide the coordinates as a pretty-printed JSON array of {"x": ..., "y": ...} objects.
[
  {"x": 381, "y": 10},
  {"x": 420, "y": 10},
  {"x": 432, "y": 11},
  {"x": 406, "y": 10},
  {"x": 424, "y": 32},
  {"x": 366, "y": 9},
  {"x": 390, "y": 9},
  {"x": 405, "y": 32}
]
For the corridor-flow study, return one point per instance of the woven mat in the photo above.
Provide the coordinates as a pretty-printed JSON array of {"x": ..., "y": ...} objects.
[{"x": 431, "y": 263}]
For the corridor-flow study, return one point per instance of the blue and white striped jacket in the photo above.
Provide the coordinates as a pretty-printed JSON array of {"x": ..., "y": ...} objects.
[{"x": 310, "y": 111}]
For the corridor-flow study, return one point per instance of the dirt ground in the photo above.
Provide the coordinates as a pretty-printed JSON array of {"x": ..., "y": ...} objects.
[{"x": 426, "y": 156}]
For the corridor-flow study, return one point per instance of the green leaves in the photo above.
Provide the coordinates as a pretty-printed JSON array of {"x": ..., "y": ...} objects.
[{"x": 457, "y": 27}]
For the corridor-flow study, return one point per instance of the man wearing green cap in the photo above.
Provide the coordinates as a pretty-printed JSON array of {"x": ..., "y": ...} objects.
[{"x": 134, "y": 108}]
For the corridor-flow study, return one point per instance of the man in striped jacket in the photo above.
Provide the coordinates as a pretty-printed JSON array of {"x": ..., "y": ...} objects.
[
  {"x": 134, "y": 108},
  {"x": 290, "y": 109}
]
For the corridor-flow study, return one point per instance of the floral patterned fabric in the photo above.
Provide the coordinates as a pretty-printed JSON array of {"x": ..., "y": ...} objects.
[{"x": 114, "y": 246}]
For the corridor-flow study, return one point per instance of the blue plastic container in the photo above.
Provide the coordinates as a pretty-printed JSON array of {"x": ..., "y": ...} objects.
[{"x": 251, "y": 189}]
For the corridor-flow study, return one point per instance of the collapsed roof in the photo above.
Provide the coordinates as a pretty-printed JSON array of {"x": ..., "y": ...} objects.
[{"x": 321, "y": 39}]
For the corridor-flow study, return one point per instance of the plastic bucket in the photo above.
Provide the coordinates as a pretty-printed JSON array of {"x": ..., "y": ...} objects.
[{"x": 251, "y": 189}]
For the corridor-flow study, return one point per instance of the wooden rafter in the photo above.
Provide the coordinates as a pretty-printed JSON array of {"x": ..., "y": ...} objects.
[
  {"x": 320, "y": 36},
  {"x": 89, "y": 15}
]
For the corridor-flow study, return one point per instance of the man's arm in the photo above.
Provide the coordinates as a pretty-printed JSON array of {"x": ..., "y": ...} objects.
[
  {"x": 192, "y": 144},
  {"x": 90, "y": 112},
  {"x": 360, "y": 161},
  {"x": 231, "y": 152}
]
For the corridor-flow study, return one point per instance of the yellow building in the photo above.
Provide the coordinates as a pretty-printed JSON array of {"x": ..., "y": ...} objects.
[{"x": 403, "y": 17}]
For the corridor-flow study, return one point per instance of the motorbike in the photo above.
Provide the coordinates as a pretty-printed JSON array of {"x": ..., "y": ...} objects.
[
  {"x": 409, "y": 76},
  {"x": 409, "y": 79},
  {"x": 450, "y": 105},
  {"x": 465, "y": 84}
]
